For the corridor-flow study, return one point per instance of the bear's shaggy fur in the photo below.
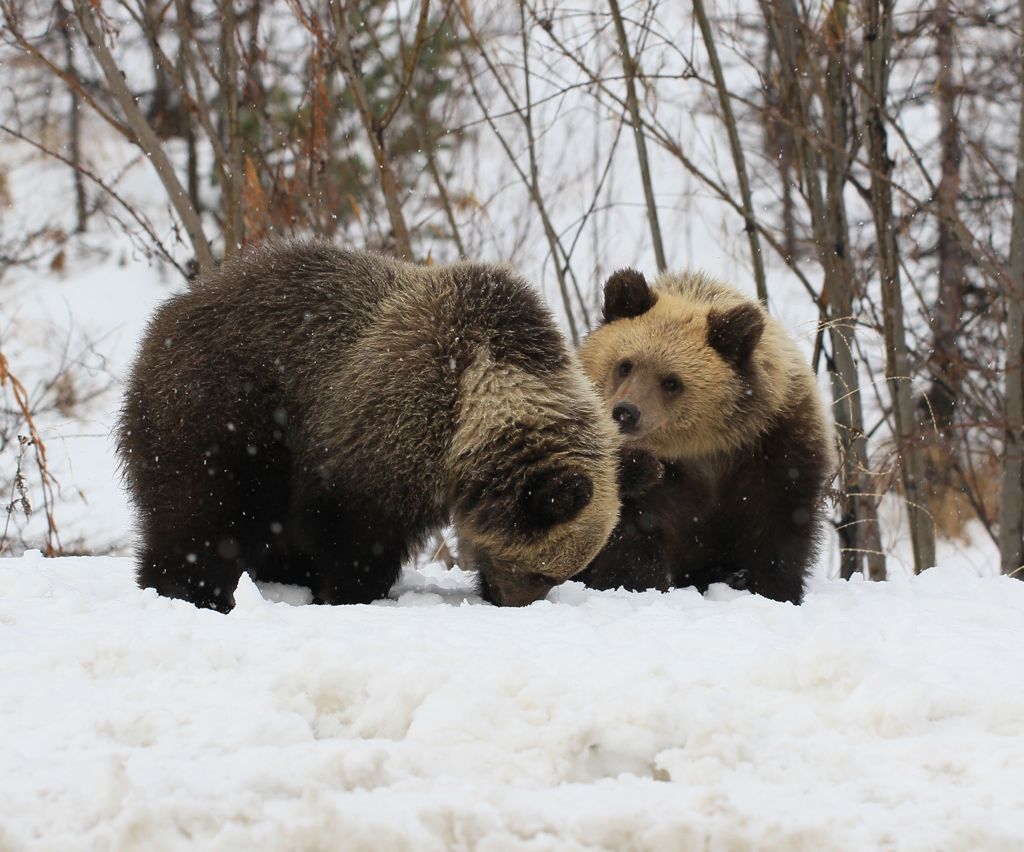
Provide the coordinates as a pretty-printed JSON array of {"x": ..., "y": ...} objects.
[
  {"x": 309, "y": 415},
  {"x": 702, "y": 376}
]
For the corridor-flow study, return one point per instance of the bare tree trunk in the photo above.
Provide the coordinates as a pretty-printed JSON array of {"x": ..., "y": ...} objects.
[
  {"x": 189, "y": 70},
  {"x": 779, "y": 150},
  {"x": 187, "y": 122},
  {"x": 859, "y": 534},
  {"x": 1011, "y": 494},
  {"x": 145, "y": 137},
  {"x": 565, "y": 270},
  {"x": 160, "y": 116},
  {"x": 863, "y": 503},
  {"x": 750, "y": 223},
  {"x": 74, "y": 125},
  {"x": 878, "y": 43},
  {"x": 234, "y": 223},
  {"x": 629, "y": 70},
  {"x": 946, "y": 360}
]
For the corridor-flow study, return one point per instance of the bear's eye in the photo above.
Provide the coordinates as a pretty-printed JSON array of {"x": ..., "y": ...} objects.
[
  {"x": 624, "y": 369},
  {"x": 671, "y": 385}
]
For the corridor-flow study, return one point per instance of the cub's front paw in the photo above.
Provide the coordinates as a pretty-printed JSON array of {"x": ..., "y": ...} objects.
[{"x": 639, "y": 471}]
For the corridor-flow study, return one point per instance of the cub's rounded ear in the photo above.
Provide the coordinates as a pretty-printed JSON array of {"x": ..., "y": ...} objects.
[
  {"x": 626, "y": 294},
  {"x": 735, "y": 333},
  {"x": 556, "y": 496}
]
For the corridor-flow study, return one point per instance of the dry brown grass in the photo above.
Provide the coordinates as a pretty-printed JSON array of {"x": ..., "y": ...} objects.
[
  {"x": 956, "y": 497},
  {"x": 33, "y": 441}
]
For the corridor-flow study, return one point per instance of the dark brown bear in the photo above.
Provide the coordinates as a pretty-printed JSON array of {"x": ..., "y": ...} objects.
[
  {"x": 310, "y": 415},
  {"x": 702, "y": 376}
]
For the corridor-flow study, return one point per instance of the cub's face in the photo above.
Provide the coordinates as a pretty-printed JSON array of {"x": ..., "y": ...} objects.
[{"x": 674, "y": 374}]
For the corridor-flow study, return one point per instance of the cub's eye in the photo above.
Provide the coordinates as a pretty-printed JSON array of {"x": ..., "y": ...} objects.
[
  {"x": 671, "y": 385},
  {"x": 624, "y": 369}
]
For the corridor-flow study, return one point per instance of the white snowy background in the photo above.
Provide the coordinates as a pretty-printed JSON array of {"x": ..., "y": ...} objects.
[{"x": 885, "y": 716}]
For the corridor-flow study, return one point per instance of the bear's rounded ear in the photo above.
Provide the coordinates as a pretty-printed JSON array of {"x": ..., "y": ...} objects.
[
  {"x": 626, "y": 294},
  {"x": 735, "y": 333},
  {"x": 556, "y": 496}
]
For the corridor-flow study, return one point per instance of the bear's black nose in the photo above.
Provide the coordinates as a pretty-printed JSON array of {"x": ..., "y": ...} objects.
[{"x": 626, "y": 415}]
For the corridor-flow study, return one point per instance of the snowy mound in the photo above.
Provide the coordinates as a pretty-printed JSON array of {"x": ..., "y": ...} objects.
[{"x": 874, "y": 716}]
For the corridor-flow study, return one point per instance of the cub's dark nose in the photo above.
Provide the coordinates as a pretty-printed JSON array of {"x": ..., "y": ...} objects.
[{"x": 626, "y": 415}]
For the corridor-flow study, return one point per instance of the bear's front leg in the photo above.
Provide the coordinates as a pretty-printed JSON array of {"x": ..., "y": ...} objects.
[
  {"x": 201, "y": 569},
  {"x": 784, "y": 483},
  {"x": 778, "y": 574},
  {"x": 633, "y": 557},
  {"x": 349, "y": 550},
  {"x": 780, "y": 552},
  {"x": 197, "y": 538}
]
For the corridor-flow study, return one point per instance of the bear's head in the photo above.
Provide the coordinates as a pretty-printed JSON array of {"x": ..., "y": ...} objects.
[
  {"x": 684, "y": 367},
  {"x": 534, "y": 465}
]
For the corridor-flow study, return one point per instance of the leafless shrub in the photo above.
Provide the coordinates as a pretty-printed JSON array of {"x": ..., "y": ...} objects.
[{"x": 19, "y": 500}]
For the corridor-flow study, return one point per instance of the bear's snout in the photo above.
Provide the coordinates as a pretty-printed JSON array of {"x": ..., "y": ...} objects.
[
  {"x": 627, "y": 415},
  {"x": 503, "y": 589}
]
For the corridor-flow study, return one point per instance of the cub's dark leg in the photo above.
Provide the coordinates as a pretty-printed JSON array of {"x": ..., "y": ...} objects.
[
  {"x": 778, "y": 495},
  {"x": 209, "y": 475},
  {"x": 347, "y": 551},
  {"x": 633, "y": 557},
  {"x": 200, "y": 566},
  {"x": 784, "y": 541},
  {"x": 779, "y": 572},
  {"x": 765, "y": 555},
  {"x": 202, "y": 526}
]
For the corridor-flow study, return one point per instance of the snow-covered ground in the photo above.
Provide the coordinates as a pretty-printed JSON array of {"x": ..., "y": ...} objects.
[{"x": 875, "y": 716}]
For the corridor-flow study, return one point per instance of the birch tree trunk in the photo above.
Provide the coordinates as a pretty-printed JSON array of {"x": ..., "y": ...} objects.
[
  {"x": 859, "y": 534},
  {"x": 63, "y": 20},
  {"x": 878, "y": 43},
  {"x": 947, "y": 363},
  {"x": 1011, "y": 494},
  {"x": 234, "y": 222}
]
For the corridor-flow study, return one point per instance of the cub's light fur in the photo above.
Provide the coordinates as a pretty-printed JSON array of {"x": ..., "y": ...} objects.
[
  {"x": 310, "y": 415},
  {"x": 701, "y": 375}
]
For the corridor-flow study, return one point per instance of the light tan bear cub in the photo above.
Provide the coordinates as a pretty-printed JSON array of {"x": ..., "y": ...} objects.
[{"x": 701, "y": 375}]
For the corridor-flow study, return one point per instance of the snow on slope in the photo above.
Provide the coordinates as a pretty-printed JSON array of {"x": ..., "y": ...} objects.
[{"x": 874, "y": 716}]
